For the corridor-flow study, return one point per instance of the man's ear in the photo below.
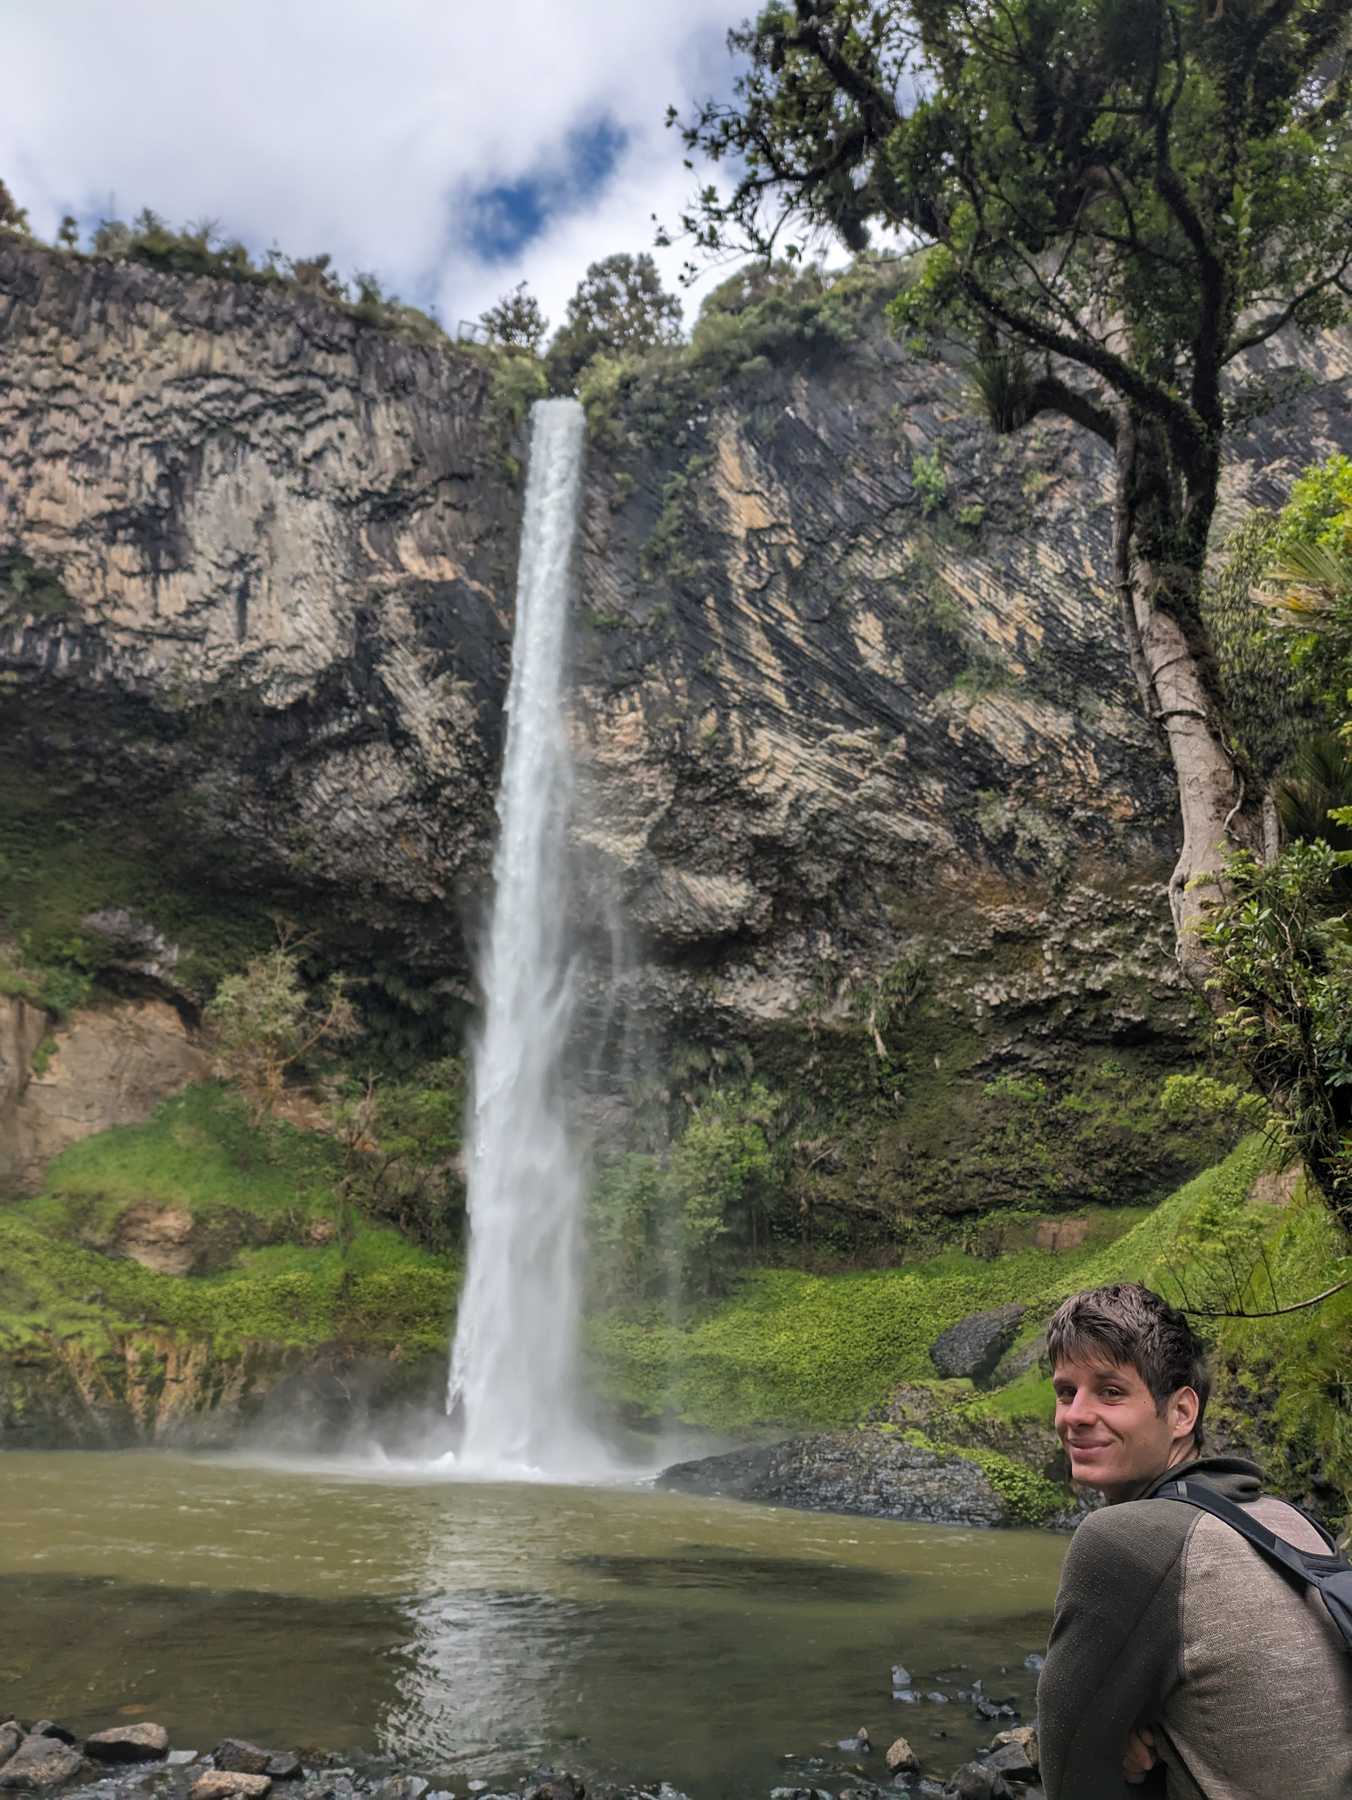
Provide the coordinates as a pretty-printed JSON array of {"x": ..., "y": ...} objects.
[{"x": 1184, "y": 1406}]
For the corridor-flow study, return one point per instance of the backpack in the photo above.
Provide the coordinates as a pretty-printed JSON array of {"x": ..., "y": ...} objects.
[{"x": 1330, "y": 1576}]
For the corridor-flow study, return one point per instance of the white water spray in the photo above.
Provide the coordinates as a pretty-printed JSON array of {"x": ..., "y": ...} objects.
[{"x": 514, "y": 1364}]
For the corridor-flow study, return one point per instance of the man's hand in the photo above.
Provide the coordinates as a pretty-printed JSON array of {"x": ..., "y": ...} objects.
[{"x": 1139, "y": 1758}]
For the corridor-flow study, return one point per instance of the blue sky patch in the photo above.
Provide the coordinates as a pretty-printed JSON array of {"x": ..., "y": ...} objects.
[{"x": 507, "y": 217}]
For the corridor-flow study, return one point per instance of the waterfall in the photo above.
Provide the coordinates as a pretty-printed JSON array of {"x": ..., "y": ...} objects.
[{"x": 513, "y": 1373}]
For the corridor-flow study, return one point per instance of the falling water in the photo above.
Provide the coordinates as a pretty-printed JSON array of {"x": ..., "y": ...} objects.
[{"x": 514, "y": 1364}]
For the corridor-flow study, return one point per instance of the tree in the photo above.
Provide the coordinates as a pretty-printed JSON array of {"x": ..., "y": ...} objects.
[
  {"x": 13, "y": 217},
  {"x": 262, "y": 1022},
  {"x": 1120, "y": 200},
  {"x": 620, "y": 305},
  {"x": 516, "y": 321}
]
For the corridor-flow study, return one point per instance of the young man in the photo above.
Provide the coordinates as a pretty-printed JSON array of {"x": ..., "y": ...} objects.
[{"x": 1181, "y": 1661}]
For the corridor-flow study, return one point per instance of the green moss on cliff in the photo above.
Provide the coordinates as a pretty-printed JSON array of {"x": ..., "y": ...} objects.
[
  {"x": 57, "y": 867},
  {"x": 287, "y": 1265},
  {"x": 199, "y": 1152}
]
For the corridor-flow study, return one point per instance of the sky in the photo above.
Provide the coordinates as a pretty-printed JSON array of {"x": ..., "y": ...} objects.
[{"x": 454, "y": 147}]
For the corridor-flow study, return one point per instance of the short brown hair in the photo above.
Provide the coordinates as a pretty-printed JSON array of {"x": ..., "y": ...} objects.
[{"x": 1127, "y": 1323}]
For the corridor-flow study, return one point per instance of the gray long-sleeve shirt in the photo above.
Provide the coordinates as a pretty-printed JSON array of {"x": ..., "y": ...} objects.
[{"x": 1166, "y": 1617}]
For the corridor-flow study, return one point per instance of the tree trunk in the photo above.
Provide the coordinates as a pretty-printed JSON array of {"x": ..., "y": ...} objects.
[{"x": 1159, "y": 559}]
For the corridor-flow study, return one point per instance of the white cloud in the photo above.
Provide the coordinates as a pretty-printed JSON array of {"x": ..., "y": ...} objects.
[{"x": 361, "y": 128}]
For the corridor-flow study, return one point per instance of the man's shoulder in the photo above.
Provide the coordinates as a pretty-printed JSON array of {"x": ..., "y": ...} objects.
[{"x": 1150, "y": 1534}]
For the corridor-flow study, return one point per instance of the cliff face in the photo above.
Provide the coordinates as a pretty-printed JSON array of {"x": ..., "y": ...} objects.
[{"x": 850, "y": 699}]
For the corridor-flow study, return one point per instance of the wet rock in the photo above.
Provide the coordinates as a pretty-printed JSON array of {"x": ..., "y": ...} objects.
[
  {"x": 410, "y": 1787},
  {"x": 990, "y": 1709},
  {"x": 1034, "y": 1661},
  {"x": 900, "y": 1758},
  {"x": 230, "y": 1784},
  {"x": 40, "y": 1762},
  {"x": 49, "y": 1728},
  {"x": 977, "y": 1781},
  {"x": 179, "y": 1759},
  {"x": 145, "y": 1742},
  {"x": 285, "y": 1765},
  {"x": 11, "y": 1736},
  {"x": 935, "y": 1698},
  {"x": 551, "y": 1786},
  {"x": 858, "y": 1745},
  {"x": 975, "y": 1345},
  {"x": 868, "y": 1472},
  {"x": 1012, "y": 1760},
  {"x": 907, "y": 1696},
  {"x": 1023, "y": 1735},
  {"x": 901, "y": 1676},
  {"x": 240, "y": 1757}
]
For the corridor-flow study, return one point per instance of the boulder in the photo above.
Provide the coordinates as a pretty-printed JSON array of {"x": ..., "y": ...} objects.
[
  {"x": 1012, "y": 1760},
  {"x": 285, "y": 1765},
  {"x": 40, "y": 1763},
  {"x": 900, "y": 1758},
  {"x": 11, "y": 1736},
  {"x": 50, "y": 1729},
  {"x": 978, "y": 1781},
  {"x": 875, "y": 1473},
  {"x": 129, "y": 1744},
  {"x": 229, "y": 1784},
  {"x": 239, "y": 1757},
  {"x": 1023, "y": 1735},
  {"x": 974, "y": 1346}
]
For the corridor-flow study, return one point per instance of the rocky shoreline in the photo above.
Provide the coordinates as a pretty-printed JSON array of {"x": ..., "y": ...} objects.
[
  {"x": 880, "y": 1474},
  {"x": 137, "y": 1762}
]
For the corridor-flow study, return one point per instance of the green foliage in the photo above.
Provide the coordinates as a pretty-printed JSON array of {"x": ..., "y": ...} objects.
[
  {"x": 13, "y": 217},
  {"x": 1195, "y": 1099},
  {"x": 60, "y": 864},
  {"x": 515, "y": 322},
  {"x": 266, "y": 1202},
  {"x": 1309, "y": 580},
  {"x": 1004, "y": 388},
  {"x": 1282, "y": 964},
  {"x": 59, "y": 988},
  {"x": 673, "y": 1228},
  {"x": 518, "y": 380},
  {"x": 929, "y": 481},
  {"x": 28, "y": 590},
  {"x": 400, "y": 1142},
  {"x": 197, "y": 249},
  {"x": 199, "y": 1150},
  {"x": 262, "y": 1022},
  {"x": 668, "y": 550},
  {"x": 1269, "y": 710},
  {"x": 620, "y": 306}
]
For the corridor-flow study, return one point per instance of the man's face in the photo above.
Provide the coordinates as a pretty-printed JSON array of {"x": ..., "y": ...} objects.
[{"x": 1114, "y": 1437}]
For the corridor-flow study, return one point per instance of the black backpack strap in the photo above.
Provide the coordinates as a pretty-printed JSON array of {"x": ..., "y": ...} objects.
[{"x": 1330, "y": 1576}]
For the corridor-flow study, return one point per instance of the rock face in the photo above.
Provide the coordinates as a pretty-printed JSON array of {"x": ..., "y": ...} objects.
[
  {"x": 973, "y": 1347},
  {"x": 846, "y": 733},
  {"x": 106, "y": 1066},
  {"x": 159, "y": 1387},
  {"x": 850, "y": 1472}
]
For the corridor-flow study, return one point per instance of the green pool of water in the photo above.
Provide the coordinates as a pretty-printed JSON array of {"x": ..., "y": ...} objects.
[{"x": 621, "y": 1632}]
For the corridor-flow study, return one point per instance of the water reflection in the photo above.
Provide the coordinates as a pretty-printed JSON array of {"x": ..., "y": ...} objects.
[{"x": 625, "y": 1633}]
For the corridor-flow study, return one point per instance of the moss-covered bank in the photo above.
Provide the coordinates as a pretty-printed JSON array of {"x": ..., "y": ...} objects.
[{"x": 280, "y": 1274}]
